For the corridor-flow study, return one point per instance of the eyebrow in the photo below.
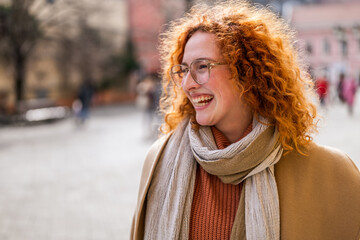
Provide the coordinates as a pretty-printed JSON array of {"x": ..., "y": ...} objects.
[{"x": 209, "y": 59}]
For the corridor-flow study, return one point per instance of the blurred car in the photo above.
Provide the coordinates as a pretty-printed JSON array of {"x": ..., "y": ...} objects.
[{"x": 43, "y": 109}]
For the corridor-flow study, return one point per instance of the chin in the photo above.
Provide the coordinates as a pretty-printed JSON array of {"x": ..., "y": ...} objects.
[{"x": 203, "y": 121}]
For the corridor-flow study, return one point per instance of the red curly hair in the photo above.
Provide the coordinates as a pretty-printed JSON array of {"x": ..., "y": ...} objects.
[{"x": 259, "y": 48}]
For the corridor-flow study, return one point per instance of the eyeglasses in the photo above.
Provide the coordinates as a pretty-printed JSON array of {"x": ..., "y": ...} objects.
[{"x": 199, "y": 70}]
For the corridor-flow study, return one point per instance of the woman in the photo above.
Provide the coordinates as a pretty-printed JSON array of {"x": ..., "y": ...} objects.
[{"x": 237, "y": 160}]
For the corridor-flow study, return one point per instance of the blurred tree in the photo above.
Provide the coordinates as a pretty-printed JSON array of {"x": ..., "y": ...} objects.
[
  {"x": 85, "y": 52},
  {"x": 23, "y": 24},
  {"x": 119, "y": 66},
  {"x": 19, "y": 32},
  {"x": 63, "y": 25}
]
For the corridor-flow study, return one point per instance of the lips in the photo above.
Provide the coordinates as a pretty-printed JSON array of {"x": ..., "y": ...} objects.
[{"x": 201, "y": 101}]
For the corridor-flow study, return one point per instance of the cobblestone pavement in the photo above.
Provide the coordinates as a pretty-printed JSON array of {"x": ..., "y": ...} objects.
[{"x": 62, "y": 182}]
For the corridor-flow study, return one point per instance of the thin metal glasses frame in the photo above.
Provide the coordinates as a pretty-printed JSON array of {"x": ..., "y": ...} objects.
[{"x": 210, "y": 65}]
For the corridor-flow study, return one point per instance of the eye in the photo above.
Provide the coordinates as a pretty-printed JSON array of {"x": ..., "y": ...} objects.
[{"x": 201, "y": 66}]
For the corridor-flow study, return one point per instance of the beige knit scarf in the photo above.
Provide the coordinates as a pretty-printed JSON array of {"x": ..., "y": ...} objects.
[{"x": 250, "y": 160}]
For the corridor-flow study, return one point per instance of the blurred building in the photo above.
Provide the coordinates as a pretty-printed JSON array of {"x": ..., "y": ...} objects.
[
  {"x": 147, "y": 20},
  {"x": 329, "y": 36},
  {"x": 45, "y": 78},
  {"x": 327, "y": 29}
]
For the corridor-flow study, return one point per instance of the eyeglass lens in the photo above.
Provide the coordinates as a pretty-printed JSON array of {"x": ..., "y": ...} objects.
[{"x": 199, "y": 70}]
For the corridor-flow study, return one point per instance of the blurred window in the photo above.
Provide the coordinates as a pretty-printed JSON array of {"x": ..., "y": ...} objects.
[
  {"x": 344, "y": 47},
  {"x": 356, "y": 34},
  {"x": 326, "y": 46},
  {"x": 309, "y": 48}
]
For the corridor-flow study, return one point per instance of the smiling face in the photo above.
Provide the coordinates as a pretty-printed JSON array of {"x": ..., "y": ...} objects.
[{"x": 217, "y": 102}]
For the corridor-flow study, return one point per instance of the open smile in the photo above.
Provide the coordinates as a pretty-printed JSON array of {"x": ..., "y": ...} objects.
[{"x": 202, "y": 101}]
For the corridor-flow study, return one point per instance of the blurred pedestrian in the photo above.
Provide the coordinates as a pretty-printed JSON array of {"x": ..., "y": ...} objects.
[
  {"x": 349, "y": 92},
  {"x": 340, "y": 87},
  {"x": 134, "y": 79},
  {"x": 82, "y": 104},
  {"x": 237, "y": 159},
  {"x": 322, "y": 86},
  {"x": 146, "y": 100},
  {"x": 3, "y": 107}
]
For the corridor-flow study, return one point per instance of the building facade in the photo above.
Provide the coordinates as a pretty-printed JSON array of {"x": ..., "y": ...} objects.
[
  {"x": 329, "y": 37},
  {"x": 147, "y": 19}
]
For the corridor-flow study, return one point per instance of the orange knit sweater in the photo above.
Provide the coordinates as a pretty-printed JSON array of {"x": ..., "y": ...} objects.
[{"x": 214, "y": 203}]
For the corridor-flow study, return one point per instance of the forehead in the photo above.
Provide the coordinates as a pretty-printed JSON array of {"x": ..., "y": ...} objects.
[{"x": 201, "y": 45}]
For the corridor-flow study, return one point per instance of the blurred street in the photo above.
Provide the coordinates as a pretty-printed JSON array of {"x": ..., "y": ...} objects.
[{"x": 60, "y": 181}]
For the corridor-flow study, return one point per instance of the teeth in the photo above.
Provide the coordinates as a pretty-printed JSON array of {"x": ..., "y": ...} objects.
[{"x": 202, "y": 99}]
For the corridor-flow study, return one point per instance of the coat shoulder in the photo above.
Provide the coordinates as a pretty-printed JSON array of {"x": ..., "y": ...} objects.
[
  {"x": 323, "y": 166},
  {"x": 321, "y": 160},
  {"x": 319, "y": 192}
]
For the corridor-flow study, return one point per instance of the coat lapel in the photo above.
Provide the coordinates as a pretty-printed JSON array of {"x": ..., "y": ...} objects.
[{"x": 150, "y": 162}]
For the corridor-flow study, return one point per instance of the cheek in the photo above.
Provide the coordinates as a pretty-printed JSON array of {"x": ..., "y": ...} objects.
[{"x": 227, "y": 93}]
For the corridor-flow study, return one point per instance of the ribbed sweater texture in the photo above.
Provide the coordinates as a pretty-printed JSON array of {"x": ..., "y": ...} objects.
[{"x": 214, "y": 203}]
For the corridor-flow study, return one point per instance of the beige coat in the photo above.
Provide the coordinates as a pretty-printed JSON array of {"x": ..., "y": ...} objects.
[{"x": 319, "y": 194}]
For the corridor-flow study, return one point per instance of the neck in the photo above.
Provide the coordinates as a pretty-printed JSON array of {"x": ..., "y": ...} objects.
[{"x": 235, "y": 130}]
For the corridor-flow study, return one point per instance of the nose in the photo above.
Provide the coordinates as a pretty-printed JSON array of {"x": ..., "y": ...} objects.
[{"x": 189, "y": 83}]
